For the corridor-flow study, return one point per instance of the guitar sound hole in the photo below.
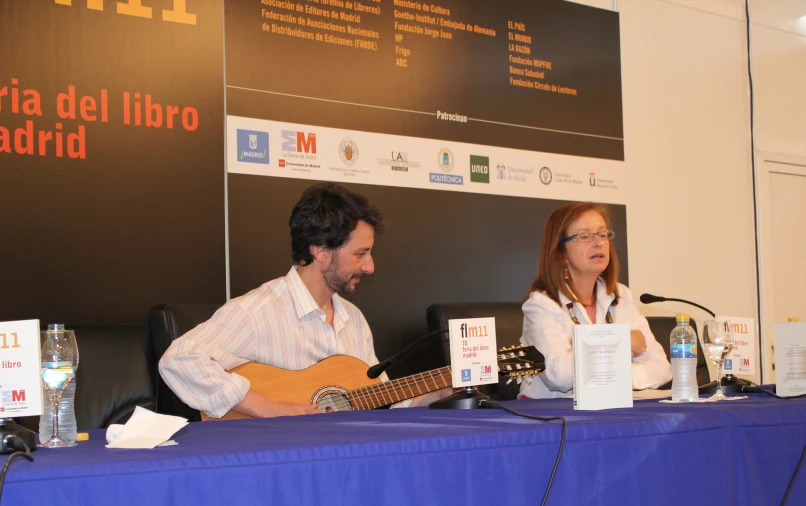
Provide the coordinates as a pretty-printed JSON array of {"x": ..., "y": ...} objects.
[{"x": 334, "y": 402}]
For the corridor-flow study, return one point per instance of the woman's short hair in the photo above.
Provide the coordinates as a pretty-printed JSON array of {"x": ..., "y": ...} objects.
[
  {"x": 325, "y": 215},
  {"x": 552, "y": 259}
]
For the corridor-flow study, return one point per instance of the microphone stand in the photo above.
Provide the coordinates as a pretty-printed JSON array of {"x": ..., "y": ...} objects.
[
  {"x": 467, "y": 398},
  {"x": 377, "y": 369},
  {"x": 730, "y": 384}
]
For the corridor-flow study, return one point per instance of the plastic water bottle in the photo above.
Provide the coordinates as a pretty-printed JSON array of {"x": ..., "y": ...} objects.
[
  {"x": 67, "y": 410},
  {"x": 683, "y": 342}
]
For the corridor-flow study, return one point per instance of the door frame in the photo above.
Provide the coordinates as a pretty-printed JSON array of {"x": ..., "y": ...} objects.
[{"x": 769, "y": 163}]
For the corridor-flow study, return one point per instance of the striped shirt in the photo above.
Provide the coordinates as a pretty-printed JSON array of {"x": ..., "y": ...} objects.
[{"x": 279, "y": 324}]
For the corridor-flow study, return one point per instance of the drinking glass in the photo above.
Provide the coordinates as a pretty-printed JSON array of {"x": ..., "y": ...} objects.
[
  {"x": 717, "y": 343},
  {"x": 59, "y": 364}
]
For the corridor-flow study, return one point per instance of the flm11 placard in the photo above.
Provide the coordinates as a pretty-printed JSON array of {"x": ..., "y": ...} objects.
[
  {"x": 474, "y": 359},
  {"x": 20, "y": 369},
  {"x": 790, "y": 359},
  {"x": 602, "y": 367},
  {"x": 743, "y": 359}
]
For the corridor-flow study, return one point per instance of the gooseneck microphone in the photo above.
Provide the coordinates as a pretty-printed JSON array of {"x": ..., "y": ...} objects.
[
  {"x": 648, "y": 298},
  {"x": 377, "y": 369}
]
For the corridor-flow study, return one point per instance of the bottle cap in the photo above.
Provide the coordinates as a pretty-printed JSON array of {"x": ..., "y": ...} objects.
[
  {"x": 56, "y": 326},
  {"x": 682, "y": 318},
  {"x": 792, "y": 320}
]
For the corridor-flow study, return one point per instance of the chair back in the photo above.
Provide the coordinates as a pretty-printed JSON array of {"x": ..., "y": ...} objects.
[
  {"x": 661, "y": 327},
  {"x": 115, "y": 375},
  {"x": 165, "y": 324}
]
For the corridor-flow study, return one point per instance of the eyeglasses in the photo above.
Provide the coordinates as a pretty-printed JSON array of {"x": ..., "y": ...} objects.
[{"x": 584, "y": 237}]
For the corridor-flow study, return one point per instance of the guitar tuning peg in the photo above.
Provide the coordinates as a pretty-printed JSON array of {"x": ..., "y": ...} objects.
[
  {"x": 519, "y": 380},
  {"x": 521, "y": 353},
  {"x": 527, "y": 366},
  {"x": 509, "y": 380},
  {"x": 509, "y": 367}
]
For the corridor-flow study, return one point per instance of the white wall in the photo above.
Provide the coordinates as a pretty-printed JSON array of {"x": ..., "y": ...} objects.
[{"x": 690, "y": 208}]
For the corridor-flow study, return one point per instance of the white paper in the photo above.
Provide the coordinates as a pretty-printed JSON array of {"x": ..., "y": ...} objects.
[
  {"x": 20, "y": 369},
  {"x": 474, "y": 355},
  {"x": 145, "y": 429},
  {"x": 790, "y": 358},
  {"x": 602, "y": 367}
]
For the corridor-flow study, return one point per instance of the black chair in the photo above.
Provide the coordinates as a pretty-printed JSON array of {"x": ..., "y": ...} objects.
[
  {"x": 508, "y": 327},
  {"x": 115, "y": 375},
  {"x": 661, "y": 327},
  {"x": 166, "y": 323}
]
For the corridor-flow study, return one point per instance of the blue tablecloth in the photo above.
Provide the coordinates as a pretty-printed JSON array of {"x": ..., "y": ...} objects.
[{"x": 741, "y": 452}]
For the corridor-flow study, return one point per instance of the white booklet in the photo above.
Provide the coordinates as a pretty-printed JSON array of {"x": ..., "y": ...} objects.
[
  {"x": 790, "y": 358},
  {"x": 602, "y": 367}
]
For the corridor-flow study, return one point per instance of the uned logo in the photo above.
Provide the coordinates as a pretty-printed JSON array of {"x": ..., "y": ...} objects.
[{"x": 479, "y": 169}]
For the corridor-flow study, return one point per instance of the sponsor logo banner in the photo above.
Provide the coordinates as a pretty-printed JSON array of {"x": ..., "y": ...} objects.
[{"x": 320, "y": 153}]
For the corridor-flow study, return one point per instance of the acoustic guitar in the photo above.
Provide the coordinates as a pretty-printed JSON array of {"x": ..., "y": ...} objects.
[{"x": 340, "y": 383}]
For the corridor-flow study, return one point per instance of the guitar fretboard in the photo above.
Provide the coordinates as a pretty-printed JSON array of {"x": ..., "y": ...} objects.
[{"x": 389, "y": 392}]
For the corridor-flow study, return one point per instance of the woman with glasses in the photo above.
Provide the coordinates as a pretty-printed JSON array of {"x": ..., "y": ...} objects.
[{"x": 577, "y": 284}]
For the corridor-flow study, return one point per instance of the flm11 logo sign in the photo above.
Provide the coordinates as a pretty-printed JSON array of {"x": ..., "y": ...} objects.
[
  {"x": 474, "y": 359},
  {"x": 20, "y": 369},
  {"x": 445, "y": 162},
  {"x": 253, "y": 146}
]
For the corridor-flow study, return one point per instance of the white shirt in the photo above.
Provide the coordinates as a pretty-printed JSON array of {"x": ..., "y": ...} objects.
[
  {"x": 548, "y": 327},
  {"x": 279, "y": 324}
]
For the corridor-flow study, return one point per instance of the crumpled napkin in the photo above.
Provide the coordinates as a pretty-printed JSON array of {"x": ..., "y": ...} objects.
[{"x": 145, "y": 429}]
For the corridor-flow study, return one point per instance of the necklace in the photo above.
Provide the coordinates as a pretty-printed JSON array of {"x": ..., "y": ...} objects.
[{"x": 570, "y": 306}]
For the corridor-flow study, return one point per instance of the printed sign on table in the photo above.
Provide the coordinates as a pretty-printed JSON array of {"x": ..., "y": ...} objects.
[
  {"x": 474, "y": 356},
  {"x": 743, "y": 360},
  {"x": 20, "y": 369}
]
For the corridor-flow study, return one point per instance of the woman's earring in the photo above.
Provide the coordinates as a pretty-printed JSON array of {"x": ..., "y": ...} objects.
[{"x": 566, "y": 274}]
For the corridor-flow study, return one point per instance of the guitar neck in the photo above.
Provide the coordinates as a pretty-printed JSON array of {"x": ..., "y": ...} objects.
[{"x": 390, "y": 392}]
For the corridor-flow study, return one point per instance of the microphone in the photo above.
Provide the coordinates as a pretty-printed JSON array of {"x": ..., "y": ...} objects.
[
  {"x": 376, "y": 370},
  {"x": 648, "y": 298}
]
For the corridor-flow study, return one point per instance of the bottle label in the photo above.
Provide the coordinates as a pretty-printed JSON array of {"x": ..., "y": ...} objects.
[{"x": 680, "y": 350}]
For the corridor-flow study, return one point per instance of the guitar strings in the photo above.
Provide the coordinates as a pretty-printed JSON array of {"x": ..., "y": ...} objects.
[{"x": 385, "y": 393}]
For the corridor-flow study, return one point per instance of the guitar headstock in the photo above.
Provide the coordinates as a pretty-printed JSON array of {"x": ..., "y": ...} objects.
[{"x": 519, "y": 362}]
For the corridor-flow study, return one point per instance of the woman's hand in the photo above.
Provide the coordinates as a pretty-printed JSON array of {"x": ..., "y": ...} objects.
[{"x": 637, "y": 343}]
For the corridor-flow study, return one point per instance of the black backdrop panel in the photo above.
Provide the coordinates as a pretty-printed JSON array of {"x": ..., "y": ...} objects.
[
  {"x": 439, "y": 247},
  {"x": 572, "y": 49},
  {"x": 138, "y": 217}
]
